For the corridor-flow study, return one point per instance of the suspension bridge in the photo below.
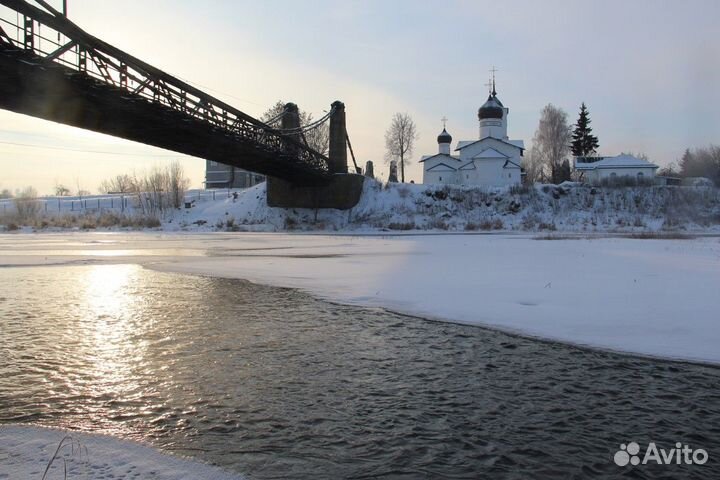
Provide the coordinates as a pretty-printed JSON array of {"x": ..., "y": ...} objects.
[{"x": 52, "y": 69}]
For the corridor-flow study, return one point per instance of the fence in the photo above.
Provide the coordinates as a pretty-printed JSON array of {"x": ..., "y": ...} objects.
[{"x": 111, "y": 202}]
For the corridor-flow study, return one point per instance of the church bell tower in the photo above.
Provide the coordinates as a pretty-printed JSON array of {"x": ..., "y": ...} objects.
[{"x": 493, "y": 115}]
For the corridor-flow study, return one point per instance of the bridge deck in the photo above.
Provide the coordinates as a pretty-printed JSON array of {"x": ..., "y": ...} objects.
[{"x": 31, "y": 85}]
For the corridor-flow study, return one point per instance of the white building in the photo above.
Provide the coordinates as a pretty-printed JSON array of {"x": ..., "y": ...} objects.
[
  {"x": 599, "y": 170},
  {"x": 493, "y": 160}
]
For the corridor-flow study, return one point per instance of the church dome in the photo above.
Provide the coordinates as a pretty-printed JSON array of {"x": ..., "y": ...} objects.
[
  {"x": 444, "y": 137},
  {"x": 493, "y": 108}
]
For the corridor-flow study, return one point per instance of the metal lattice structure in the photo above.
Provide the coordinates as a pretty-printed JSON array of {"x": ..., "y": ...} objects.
[{"x": 51, "y": 68}]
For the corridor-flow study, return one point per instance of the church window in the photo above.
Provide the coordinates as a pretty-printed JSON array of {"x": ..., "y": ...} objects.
[{"x": 441, "y": 179}]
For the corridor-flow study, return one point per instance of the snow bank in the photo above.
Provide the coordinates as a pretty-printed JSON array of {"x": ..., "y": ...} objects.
[
  {"x": 649, "y": 297},
  {"x": 26, "y": 451},
  {"x": 571, "y": 207}
]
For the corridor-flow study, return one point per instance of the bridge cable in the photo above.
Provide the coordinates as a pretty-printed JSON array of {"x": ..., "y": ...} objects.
[
  {"x": 311, "y": 126},
  {"x": 276, "y": 118},
  {"x": 352, "y": 154}
]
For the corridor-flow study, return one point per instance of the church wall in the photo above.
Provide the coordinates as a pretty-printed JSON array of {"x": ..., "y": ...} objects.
[
  {"x": 467, "y": 177},
  {"x": 441, "y": 175},
  {"x": 492, "y": 173},
  {"x": 440, "y": 178}
]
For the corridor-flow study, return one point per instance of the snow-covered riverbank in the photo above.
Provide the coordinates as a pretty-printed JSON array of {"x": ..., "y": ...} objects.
[
  {"x": 26, "y": 452},
  {"x": 649, "y": 297},
  {"x": 570, "y": 207}
]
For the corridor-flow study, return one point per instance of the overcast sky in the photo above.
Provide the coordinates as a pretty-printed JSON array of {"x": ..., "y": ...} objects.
[{"x": 649, "y": 72}]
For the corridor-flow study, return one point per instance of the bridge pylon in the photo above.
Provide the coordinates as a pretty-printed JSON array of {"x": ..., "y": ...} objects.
[
  {"x": 291, "y": 122},
  {"x": 338, "y": 139}
]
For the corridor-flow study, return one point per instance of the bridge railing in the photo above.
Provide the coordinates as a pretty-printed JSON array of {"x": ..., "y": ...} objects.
[{"x": 52, "y": 37}]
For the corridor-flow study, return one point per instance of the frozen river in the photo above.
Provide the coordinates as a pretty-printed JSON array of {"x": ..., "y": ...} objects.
[
  {"x": 648, "y": 297},
  {"x": 270, "y": 382}
]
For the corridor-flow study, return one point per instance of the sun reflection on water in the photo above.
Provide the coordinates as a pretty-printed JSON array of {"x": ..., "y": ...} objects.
[{"x": 113, "y": 341}]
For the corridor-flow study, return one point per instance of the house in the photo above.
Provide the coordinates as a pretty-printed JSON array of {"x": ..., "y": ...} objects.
[
  {"x": 218, "y": 175},
  {"x": 602, "y": 170},
  {"x": 493, "y": 160}
]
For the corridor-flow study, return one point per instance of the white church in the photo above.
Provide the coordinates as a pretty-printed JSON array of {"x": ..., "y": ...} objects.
[{"x": 492, "y": 160}]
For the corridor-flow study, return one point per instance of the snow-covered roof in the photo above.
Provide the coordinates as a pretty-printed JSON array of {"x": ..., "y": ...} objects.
[
  {"x": 490, "y": 153},
  {"x": 510, "y": 164},
  {"x": 515, "y": 143},
  {"x": 620, "y": 161},
  {"x": 428, "y": 157}
]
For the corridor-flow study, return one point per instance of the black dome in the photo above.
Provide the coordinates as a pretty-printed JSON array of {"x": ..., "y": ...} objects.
[
  {"x": 493, "y": 108},
  {"x": 444, "y": 137}
]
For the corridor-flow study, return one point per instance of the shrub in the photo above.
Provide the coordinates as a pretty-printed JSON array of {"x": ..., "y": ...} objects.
[
  {"x": 401, "y": 226},
  {"x": 438, "y": 224},
  {"x": 486, "y": 225},
  {"x": 290, "y": 223},
  {"x": 520, "y": 189},
  {"x": 26, "y": 204}
]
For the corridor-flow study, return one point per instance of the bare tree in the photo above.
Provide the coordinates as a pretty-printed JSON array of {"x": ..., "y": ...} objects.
[
  {"x": 702, "y": 162},
  {"x": 400, "y": 140},
  {"x": 61, "y": 190},
  {"x": 669, "y": 170},
  {"x": 80, "y": 192},
  {"x": 640, "y": 155},
  {"x": 118, "y": 184},
  {"x": 178, "y": 183},
  {"x": 26, "y": 203},
  {"x": 318, "y": 138},
  {"x": 551, "y": 146}
]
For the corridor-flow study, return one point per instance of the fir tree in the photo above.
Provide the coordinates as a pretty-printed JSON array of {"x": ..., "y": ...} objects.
[{"x": 584, "y": 142}]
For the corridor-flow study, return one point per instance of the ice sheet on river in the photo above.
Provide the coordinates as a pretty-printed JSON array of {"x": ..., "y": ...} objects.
[{"x": 650, "y": 297}]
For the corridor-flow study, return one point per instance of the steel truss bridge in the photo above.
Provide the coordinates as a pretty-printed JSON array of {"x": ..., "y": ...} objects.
[{"x": 50, "y": 68}]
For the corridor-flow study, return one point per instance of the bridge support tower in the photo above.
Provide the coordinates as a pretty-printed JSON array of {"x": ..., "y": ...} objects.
[
  {"x": 343, "y": 189},
  {"x": 338, "y": 139}
]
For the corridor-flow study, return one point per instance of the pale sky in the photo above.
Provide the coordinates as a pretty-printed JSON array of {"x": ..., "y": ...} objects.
[{"x": 648, "y": 70}]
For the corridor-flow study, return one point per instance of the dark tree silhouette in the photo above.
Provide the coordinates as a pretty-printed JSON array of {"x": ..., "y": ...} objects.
[{"x": 584, "y": 143}]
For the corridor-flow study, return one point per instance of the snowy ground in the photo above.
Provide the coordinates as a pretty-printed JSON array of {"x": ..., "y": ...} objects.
[
  {"x": 25, "y": 453},
  {"x": 649, "y": 297}
]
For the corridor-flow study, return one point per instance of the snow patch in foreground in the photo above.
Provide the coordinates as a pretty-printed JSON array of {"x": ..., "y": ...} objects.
[{"x": 26, "y": 451}]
